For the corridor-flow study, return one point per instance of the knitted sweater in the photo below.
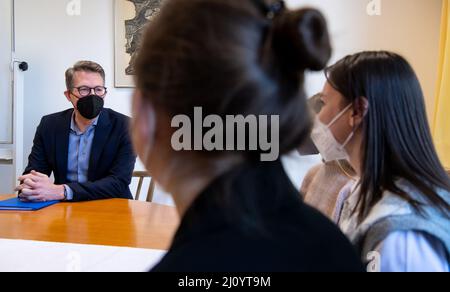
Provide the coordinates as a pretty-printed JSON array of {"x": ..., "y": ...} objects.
[{"x": 322, "y": 185}]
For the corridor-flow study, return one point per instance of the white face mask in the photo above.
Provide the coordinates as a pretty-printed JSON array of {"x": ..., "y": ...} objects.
[{"x": 326, "y": 143}]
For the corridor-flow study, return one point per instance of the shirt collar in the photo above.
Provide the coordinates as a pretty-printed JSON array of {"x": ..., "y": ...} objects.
[{"x": 74, "y": 127}]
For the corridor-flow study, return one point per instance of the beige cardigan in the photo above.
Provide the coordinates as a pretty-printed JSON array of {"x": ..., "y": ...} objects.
[{"x": 322, "y": 185}]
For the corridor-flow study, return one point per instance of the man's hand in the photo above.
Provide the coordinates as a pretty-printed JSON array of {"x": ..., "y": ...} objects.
[{"x": 37, "y": 187}]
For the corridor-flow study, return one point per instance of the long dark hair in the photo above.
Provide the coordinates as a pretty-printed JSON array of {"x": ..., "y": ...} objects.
[
  {"x": 234, "y": 57},
  {"x": 397, "y": 138}
]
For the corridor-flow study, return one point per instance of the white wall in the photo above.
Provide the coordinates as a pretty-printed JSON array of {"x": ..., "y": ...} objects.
[
  {"x": 51, "y": 41},
  {"x": 408, "y": 27}
]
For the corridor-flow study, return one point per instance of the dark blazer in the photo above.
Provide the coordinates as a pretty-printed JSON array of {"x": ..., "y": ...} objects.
[
  {"x": 112, "y": 157},
  {"x": 252, "y": 220}
]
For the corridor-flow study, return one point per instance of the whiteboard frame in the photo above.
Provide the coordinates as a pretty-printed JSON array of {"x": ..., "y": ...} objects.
[{"x": 10, "y": 140}]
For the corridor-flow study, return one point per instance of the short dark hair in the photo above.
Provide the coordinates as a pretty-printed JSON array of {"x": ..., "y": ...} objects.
[{"x": 83, "y": 66}]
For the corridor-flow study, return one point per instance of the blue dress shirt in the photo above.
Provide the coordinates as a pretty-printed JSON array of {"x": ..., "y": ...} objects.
[{"x": 80, "y": 146}]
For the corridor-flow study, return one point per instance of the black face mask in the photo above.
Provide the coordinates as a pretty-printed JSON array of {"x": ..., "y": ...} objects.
[{"x": 90, "y": 106}]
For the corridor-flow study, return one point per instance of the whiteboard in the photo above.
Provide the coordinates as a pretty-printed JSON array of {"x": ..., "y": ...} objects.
[{"x": 5, "y": 72}]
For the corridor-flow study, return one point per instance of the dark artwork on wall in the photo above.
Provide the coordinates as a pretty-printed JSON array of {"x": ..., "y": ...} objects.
[
  {"x": 145, "y": 11},
  {"x": 132, "y": 16}
]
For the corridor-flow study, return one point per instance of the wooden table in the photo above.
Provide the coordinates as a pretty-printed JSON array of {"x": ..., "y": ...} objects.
[{"x": 110, "y": 222}]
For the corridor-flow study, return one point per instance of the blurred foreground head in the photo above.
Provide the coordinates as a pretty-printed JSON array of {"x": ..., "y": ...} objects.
[{"x": 242, "y": 57}]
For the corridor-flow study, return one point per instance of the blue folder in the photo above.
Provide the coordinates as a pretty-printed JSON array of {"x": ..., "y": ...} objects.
[{"x": 17, "y": 205}]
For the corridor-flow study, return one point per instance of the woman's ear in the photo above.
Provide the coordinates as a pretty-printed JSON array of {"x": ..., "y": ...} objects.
[{"x": 360, "y": 109}]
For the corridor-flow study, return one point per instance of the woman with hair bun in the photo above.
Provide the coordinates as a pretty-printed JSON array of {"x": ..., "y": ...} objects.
[{"x": 245, "y": 58}]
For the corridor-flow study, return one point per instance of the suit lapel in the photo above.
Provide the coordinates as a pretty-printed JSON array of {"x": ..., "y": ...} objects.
[
  {"x": 102, "y": 132},
  {"x": 62, "y": 145}
]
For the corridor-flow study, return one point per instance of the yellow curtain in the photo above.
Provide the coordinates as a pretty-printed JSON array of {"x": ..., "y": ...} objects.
[{"x": 441, "y": 124}]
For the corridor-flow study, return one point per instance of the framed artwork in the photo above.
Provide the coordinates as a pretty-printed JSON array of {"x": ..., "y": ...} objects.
[{"x": 131, "y": 18}]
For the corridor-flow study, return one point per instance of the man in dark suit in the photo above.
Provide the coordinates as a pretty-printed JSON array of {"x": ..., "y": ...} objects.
[{"x": 88, "y": 148}]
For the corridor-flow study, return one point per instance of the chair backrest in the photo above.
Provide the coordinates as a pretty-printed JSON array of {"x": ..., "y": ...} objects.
[{"x": 142, "y": 175}]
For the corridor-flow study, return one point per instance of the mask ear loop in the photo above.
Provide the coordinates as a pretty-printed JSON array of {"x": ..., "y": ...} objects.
[
  {"x": 336, "y": 119},
  {"x": 354, "y": 129},
  {"x": 75, "y": 106},
  {"x": 348, "y": 139},
  {"x": 339, "y": 115}
]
